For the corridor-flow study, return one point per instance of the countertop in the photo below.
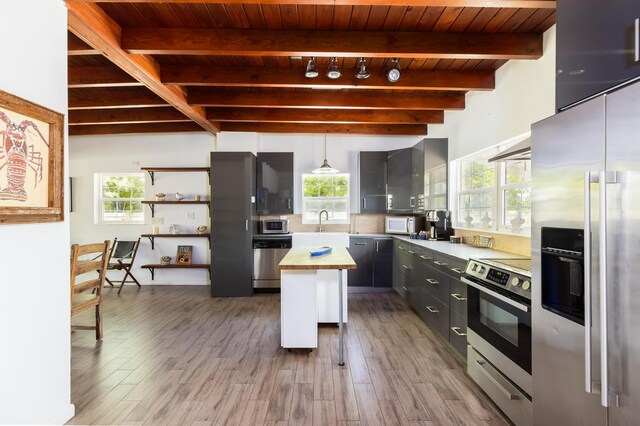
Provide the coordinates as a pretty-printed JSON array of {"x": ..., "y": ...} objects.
[
  {"x": 461, "y": 251},
  {"x": 300, "y": 259}
]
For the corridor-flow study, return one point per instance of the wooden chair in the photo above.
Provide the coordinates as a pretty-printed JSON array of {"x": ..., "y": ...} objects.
[
  {"x": 121, "y": 258},
  {"x": 81, "y": 298}
]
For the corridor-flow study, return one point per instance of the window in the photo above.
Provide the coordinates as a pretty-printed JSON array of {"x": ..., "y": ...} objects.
[
  {"x": 435, "y": 186},
  {"x": 325, "y": 192},
  {"x": 493, "y": 196},
  {"x": 119, "y": 198}
]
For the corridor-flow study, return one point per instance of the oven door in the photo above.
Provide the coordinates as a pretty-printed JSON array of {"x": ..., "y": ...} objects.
[{"x": 502, "y": 320}]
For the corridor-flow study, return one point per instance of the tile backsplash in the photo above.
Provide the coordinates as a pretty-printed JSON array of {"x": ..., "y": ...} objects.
[
  {"x": 509, "y": 243},
  {"x": 360, "y": 224}
]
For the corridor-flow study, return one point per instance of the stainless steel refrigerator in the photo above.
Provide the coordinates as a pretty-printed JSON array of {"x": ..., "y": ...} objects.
[{"x": 586, "y": 263}]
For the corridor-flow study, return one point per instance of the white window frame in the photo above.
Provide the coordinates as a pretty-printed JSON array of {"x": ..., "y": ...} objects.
[
  {"x": 498, "y": 214},
  {"x": 346, "y": 199},
  {"x": 99, "y": 201}
]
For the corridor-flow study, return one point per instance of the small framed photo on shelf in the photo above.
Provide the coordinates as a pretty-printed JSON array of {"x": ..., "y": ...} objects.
[{"x": 184, "y": 255}]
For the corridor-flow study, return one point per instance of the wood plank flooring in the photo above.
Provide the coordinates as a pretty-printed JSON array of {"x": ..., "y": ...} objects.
[{"x": 173, "y": 355}]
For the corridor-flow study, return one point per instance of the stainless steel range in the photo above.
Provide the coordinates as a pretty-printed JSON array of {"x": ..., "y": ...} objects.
[{"x": 499, "y": 333}]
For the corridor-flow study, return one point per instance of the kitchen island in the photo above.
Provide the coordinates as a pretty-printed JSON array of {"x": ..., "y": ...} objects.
[{"x": 299, "y": 295}]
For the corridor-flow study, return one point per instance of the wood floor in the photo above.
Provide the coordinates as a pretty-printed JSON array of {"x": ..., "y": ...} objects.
[{"x": 174, "y": 355}]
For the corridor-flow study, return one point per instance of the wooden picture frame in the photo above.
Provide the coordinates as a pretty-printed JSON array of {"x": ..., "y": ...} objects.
[{"x": 31, "y": 162}]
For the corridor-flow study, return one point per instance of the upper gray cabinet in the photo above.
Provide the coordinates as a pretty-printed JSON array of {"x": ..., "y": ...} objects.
[
  {"x": 400, "y": 194},
  {"x": 436, "y": 173},
  {"x": 598, "y": 47},
  {"x": 373, "y": 182},
  {"x": 274, "y": 183}
]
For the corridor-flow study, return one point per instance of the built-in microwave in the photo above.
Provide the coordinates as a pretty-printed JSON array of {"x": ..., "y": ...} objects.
[
  {"x": 274, "y": 226},
  {"x": 403, "y": 224}
]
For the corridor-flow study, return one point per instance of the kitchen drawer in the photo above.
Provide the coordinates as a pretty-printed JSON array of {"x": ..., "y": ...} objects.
[
  {"x": 458, "y": 333},
  {"x": 458, "y": 297},
  {"x": 404, "y": 247},
  {"x": 437, "y": 284},
  {"x": 441, "y": 262},
  {"x": 435, "y": 314},
  {"x": 415, "y": 295},
  {"x": 457, "y": 267}
]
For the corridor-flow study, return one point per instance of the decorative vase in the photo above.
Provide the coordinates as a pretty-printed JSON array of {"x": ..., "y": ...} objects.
[
  {"x": 165, "y": 260},
  {"x": 174, "y": 229},
  {"x": 179, "y": 196}
]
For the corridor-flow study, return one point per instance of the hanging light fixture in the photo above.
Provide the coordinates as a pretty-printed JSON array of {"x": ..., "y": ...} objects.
[
  {"x": 393, "y": 74},
  {"x": 325, "y": 168},
  {"x": 312, "y": 68},
  {"x": 362, "y": 73},
  {"x": 333, "y": 71}
]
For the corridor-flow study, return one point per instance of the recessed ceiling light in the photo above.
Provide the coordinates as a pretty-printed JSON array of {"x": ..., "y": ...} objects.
[
  {"x": 312, "y": 68},
  {"x": 393, "y": 74},
  {"x": 333, "y": 71},
  {"x": 362, "y": 73}
]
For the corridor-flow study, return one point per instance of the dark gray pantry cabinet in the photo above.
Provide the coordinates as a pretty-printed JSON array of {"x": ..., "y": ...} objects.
[
  {"x": 374, "y": 258},
  {"x": 430, "y": 282}
]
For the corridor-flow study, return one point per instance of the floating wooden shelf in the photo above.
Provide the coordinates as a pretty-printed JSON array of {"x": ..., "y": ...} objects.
[
  {"x": 152, "y": 204},
  {"x": 152, "y": 237},
  {"x": 153, "y": 170},
  {"x": 153, "y": 266}
]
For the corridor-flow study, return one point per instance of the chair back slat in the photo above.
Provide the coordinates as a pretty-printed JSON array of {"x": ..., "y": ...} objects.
[
  {"x": 85, "y": 266},
  {"x": 86, "y": 249},
  {"x": 80, "y": 267},
  {"x": 86, "y": 285}
]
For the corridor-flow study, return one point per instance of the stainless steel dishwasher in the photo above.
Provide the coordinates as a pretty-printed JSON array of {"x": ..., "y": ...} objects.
[{"x": 268, "y": 251}]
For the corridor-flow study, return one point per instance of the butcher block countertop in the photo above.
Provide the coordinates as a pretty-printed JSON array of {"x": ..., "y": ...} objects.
[{"x": 300, "y": 259}]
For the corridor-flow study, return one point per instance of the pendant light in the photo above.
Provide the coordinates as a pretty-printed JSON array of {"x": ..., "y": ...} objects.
[
  {"x": 325, "y": 168},
  {"x": 393, "y": 74},
  {"x": 362, "y": 73},
  {"x": 312, "y": 68},
  {"x": 333, "y": 71}
]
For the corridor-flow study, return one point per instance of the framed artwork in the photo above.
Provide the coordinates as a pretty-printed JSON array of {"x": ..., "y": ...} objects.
[
  {"x": 31, "y": 162},
  {"x": 184, "y": 255}
]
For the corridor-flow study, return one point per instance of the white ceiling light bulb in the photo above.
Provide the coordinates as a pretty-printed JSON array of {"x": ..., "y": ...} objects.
[
  {"x": 325, "y": 168},
  {"x": 393, "y": 74},
  {"x": 362, "y": 73},
  {"x": 333, "y": 71},
  {"x": 312, "y": 68}
]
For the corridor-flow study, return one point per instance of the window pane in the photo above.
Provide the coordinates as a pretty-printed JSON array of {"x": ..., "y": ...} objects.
[
  {"x": 138, "y": 182},
  {"x": 310, "y": 184},
  {"x": 517, "y": 171},
  {"x": 477, "y": 174},
  {"x": 137, "y": 193},
  {"x": 517, "y": 208},
  {"x": 124, "y": 192},
  {"x": 326, "y": 187}
]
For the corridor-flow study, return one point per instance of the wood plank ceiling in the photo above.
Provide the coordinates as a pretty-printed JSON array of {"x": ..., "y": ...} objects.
[{"x": 191, "y": 65}]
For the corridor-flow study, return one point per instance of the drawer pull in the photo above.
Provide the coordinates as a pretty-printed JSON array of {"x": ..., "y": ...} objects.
[
  {"x": 432, "y": 309},
  {"x": 456, "y": 330},
  {"x": 401, "y": 248},
  {"x": 458, "y": 270},
  {"x": 432, "y": 281},
  {"x": 361, "y": 244},
  {"x": 405, "y": 289},
  {"x": 440, "y": 263},
  {"x": 412, "y": 252},
  {"x": 422, "y": 256},
  {"x": 458, "y": 297},
  {"x": 406, "y": 267}
]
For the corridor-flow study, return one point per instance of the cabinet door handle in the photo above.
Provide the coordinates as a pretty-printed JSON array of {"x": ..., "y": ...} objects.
[
  {"x": 637, "y": 40},
  {"x": 457, "y": 331},
  {"x": 458, "y": 297},
  {"x": 432, "y": 309},
  {"x": 288, "y": 203},
  {"x": 422, "y": 256},
  {"x": 458, "y": 270},
  {"x": 405, "y": 289},
  {"x": 412, "y": 201},
  {"x": 440, "y": 263},
  {"x": 364, "y": 203},
  {"x": 377, "y": 246},
  {"x": 246, "y": 225},
  {"x": 432, "y": 281},
  {"x": 361, "y": 244}
]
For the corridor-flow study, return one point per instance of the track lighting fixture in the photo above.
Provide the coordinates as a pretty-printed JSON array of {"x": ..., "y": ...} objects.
[
  {"x": 393, "y": 74},
  {"x": 362, "y": 69},
  {"x": 333, "y": 71},
  {"x": 312, "y": 68}
]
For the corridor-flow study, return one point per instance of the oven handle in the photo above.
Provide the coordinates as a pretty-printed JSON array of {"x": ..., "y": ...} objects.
[
  {"x": 484, "y": 367},
  {"x": 497, "y": 295}
]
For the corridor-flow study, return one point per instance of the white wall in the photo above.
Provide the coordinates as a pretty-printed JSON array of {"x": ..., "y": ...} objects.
[
  {"x": 34, "y": 259},
  {"x": 308, "y": 153},
  {"x": 524, "y": 94},
  {"x": 127, "y": 154}
]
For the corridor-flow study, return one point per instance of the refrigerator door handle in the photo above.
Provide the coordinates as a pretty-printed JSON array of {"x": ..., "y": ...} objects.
[{"x": 588, "y": 362}]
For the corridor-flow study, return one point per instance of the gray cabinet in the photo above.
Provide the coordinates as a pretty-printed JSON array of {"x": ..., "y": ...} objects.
[
  {"x": 382, "y": 262},
  {"x": 416, "y": 200},
  {"x": 233, "y": 222},
  {"x": 362, "y": 250},
  {"x": 402, "y": 265},
  {"x": 436, "y": 172},
  {"x": 399, "y": 180},
  {"x": 274, "y": 194},
  {"x": 373, "y": 182}
]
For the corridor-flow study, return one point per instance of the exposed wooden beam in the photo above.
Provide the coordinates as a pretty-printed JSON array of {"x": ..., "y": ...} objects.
[
  {"x": 364, "y": 129},
  {"x": 99, "y": 76},
  {"x": 77, "y": 47},
  {"x": 113, "y": 97},
  {"x": 111, "y": 129},
  {"x": 294, "y": 77},
  {"x": 126, "y": 116},
  {"x": 378, "y": 44},
  {"x": 338, "y": 116},
  {"x": 520, "y": 4},
  {"x": 323, "y": 99},
  {"x": 90, "y": 23}
]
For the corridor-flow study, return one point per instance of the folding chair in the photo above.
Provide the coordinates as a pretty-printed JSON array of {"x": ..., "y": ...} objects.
[{"x": 121, "y": 258}]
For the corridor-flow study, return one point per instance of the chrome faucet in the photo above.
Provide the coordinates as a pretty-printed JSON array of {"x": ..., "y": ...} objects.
[{"x": 320, "y": 218}]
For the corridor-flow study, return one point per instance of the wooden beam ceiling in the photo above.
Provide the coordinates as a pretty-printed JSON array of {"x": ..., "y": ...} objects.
[
  {"x": 111, "y": 129},
  {"x": 77, "y": 47},
  {"x": 91, "y": 24},
  {"x": 318, "y": 116},
  {"x": 376, "y": 44},
  {"x": 233, "y": 76},
  {"x": 323, "y": 99},
  {"x": 99, "y": 76},
  {"x": 362, "y": 129},
  {"x": 126, "y": 116},
  {"x": 520, "y": 4},
  {"x": 113, "y": 97}
]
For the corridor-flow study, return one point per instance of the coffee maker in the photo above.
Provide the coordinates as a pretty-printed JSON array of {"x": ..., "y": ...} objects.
[{"x": 439, "y": 224}]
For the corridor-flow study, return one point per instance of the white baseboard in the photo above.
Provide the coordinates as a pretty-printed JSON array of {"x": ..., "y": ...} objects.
[{"x": 63, "y": 415}]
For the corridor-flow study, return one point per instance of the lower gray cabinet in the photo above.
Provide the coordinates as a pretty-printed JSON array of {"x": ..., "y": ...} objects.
[
  {"x": 383, "y": 262},
  {"x": 362, "y": 250}
]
